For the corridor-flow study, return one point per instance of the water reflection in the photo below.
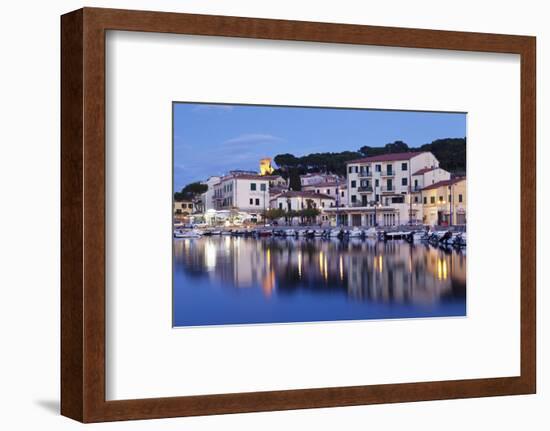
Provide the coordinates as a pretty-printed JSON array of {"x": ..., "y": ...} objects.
[{"x": 228, "y": 280}]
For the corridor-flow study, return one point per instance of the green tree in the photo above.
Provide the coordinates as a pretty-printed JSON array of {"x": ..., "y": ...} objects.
[
  {"x": 190, "y": 191},
  {"x": 294, "y": 180},
  {"x": 309, "y": 214},
  {"x": 273, "y": 214}
]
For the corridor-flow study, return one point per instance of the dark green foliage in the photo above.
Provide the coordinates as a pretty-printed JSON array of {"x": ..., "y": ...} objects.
[
  {"x": 451, "y": 153},
  {"x": 294, "y": 179},
  {"x": 273, "y": 214},
  {"x": 190, "y": 191},
  {"x": 289, "y": 165}
]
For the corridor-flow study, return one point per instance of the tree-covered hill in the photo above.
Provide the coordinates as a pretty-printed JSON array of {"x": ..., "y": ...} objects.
[{"x": 451, "y": 153}]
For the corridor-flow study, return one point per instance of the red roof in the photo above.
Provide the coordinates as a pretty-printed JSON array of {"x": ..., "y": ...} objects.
[
  {"x": 444, "y": 183},
  {"x": 424, "y": 170},
  {"x": 390, "y": 157}
]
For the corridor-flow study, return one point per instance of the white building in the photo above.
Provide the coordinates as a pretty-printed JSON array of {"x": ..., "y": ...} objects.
[
  {"x": 337, "y": 189},
  {"x": 207, "y": 197},
  {"x": 315, "y": 178},
  {"x": 299, "y": 200},
  {"x": 242, "y": 191},
  {"x": 381, "y": 189}
]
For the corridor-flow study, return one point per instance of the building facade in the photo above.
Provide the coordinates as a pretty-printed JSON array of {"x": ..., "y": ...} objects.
[
  {"x": 444, "y": 203},
  {"x": 242, "y": 191},
  {"x": 337, "y": 189},
  {"x": 183, "y": 209},
  {"x": 300, "y": 200},
  {"x": 207, "y": 197},
  {"x": 388, "y": 181},
  {"x": 316, "y": 178}
]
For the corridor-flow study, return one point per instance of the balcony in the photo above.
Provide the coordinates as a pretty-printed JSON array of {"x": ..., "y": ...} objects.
[
  {"x": 364, "y": 174},
  {"x": 388, "y": 173},
  {"x": 364, "y": 189},
  {"x": 390, "y": 189}
]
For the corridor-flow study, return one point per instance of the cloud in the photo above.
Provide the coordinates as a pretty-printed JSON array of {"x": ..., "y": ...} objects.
[
  {"x": 253, "y": 138},
  {"x": 219, "y": 108}
]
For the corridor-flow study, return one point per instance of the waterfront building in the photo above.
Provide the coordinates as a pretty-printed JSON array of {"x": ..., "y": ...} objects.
[
  {"x": 444, "y": 202},
  {"x": 242, "y": 191},
  {"x": 381, "y": 189},
  {"x": 183, "y": 209},
  {"x": 299, "y": 200},
  {"x": 207, "y": 197},
  {"x": 338, "y": 189}
]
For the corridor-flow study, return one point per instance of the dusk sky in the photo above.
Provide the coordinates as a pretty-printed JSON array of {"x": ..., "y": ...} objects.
[{"x": 213, "y": 139}]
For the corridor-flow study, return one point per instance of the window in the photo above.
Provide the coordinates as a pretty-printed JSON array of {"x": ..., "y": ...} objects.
[
  {"x": 425, "y": 200},
  {"x": 350, "y": 169},
  {"x": 280, "y": 206},
  {"x": 328, "y": 191},
  {"x": 416, "y": 199},
  {"x": 449, "y": 198},
  {"x": 356, "y": 169},
  {"x": 263, "y": 187},
  {"x": 376, "y": 183},
  {"x": 377, "y": 198},
  {"x": 257, "y": 202},
  {"x": 432, "y": 199},
  {"x": 403, "y": 181},
  {"x": 460, "y": 198},
  {"x": 403, "y": 166},
  {"x": 323, "y": 204},
  {"x": 251, "y": 201},
  {"x": 378, "y": 168},
  {"x": 440, "y": 198},
  {"x": 253, "y": 186},
  {"x": 390, "y": 169},
  {"x": 318, "y": 191},
  {"x": 343, "y": 195},
  {"x": 389, "y": 184},
  {"x": 353, "y": 184},
  {"x": 397, "y": 200},
  {"x": 353, "y": 198}
]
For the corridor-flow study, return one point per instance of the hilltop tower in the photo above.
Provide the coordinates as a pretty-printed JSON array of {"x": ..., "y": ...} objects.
[{"x": 265, "y": 166}]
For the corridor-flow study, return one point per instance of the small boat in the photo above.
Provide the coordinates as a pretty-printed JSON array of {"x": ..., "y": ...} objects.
[
  {"x": 459, "y": 239},
  {"x": 290, "y": 232},
  {"x": 355, "y": 233},
  {"x": 336, "y": 233},
  {"x": 264, "y": 233},
  {"x": 215, "y": 232},
  {"x": 226, "y": 232},
  {"x": 371, "y": 232},
  {"x": 187, "y": 234}
]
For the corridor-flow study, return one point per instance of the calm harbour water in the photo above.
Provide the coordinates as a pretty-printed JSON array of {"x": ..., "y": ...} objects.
[{"x": 236, "y": 280}]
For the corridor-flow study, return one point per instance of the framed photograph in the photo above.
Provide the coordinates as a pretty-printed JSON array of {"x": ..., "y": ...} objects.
[{"x": 267, "y": 215}]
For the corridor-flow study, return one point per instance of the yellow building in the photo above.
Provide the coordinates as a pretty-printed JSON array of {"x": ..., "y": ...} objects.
[{"x": 444, "y": 203}]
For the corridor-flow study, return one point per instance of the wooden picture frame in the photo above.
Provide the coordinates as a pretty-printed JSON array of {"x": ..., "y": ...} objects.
[{"x": 83, "y": 214}]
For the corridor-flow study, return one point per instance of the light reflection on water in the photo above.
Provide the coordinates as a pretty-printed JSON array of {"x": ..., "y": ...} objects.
[{"x": 237, "y": 280}]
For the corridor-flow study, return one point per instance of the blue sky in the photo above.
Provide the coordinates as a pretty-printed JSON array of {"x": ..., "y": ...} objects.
[{"x": 213, "y": 139}]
